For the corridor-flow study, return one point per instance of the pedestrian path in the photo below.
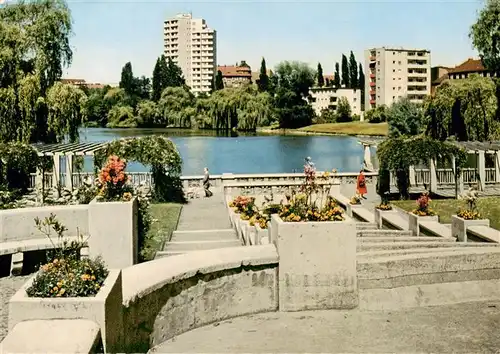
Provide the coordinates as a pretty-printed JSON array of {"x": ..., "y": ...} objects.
[{"x": 204, "y": 224}]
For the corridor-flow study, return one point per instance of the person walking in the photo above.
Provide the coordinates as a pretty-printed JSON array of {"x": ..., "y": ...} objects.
[
  {"x": 361, "y": 185},
  {"x": 206, "y": 183}
]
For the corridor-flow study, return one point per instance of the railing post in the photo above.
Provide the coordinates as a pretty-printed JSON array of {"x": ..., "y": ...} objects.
[
  {"x": 433, "y": 175},
  {"x": 481, "y": 166},
  {"x": 497, "y": 166}
]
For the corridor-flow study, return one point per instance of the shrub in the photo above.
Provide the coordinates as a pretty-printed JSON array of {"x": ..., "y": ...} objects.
[{"x": 66, "y": 274}]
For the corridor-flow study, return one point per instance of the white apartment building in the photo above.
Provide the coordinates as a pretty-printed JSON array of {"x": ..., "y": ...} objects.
[
  {"x": 327, "y": 98},
  {"x": 192, "y": 45},
  {"x": 392, "y": 73}
]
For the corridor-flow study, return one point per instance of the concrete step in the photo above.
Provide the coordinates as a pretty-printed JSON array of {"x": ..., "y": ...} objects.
[
  {"x": 398, "y": 252},
  {"x": 200, "y": 245},
  {"x": 204, "y": 235},
  {"x": 366, "y": 225},
  {"x": 384, "y": 233},
  {"x": 367, "y": 246},
  {"x": 405, "y": 239},
  {"x": 163, "y": 254}
]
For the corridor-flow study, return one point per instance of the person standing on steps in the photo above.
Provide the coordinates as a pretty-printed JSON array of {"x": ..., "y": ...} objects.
[
  {"x": 206, "y": 183},
  {"x": 361, "y": 185}
]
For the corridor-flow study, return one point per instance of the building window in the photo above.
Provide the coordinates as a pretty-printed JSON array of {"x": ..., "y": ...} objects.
[
  {"x": 394, "y": 62},
  {"x": 399, "y": 62}
]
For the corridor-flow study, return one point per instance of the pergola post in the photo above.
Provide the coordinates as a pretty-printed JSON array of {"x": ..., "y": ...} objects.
[
  {"x": 69, "y": 171},
  {"x": 433, "y": 176},
  {"x": 481, "y": 169},
  {"x": 497, "y": 166},
  {"x": 459, "y": 180},
  {"x": 56, "y": 172}
]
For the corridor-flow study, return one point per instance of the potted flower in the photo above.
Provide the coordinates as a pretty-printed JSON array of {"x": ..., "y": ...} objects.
[
  {"x": 316, "y": 243},
  {"x": 69, "y": 286},
  {"x": 118, "y": 217},
  {"x": 467, "y": 216},
  {"x": 423, "y": 211}
]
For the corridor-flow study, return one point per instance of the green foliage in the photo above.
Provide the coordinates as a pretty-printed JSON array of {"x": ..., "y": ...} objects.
[
  {"x": 336, "y": 78},
  {"x": 263, "y": 82},
  {"x": 398, "y": 154},
  {"x": 294, "y": 79},
  {"x": 173, "y": 108},
  {"x": 127, "y": 79},
  {"x": 219, "y": 83},
  {"x": 18, "y": 160},
  {"x": 121, "y": 116},
  {"x": 361, "y": 85},
  {"x": 463, "y": 109},
  {"x": 147, "y": 113},
  {"x": 174, "y": 77},
  {"x": 353, "y": 72},
  {"x": 345, "y": 72},
  {"x": 377, "y": 114},
  {"x": 320, "y": 78},
  {"x": 405, "y": 118},
  {"x": 344, "y": 113},
  {"x": 327, "y": 116},
  {"x": 34, "y": 49},
  {"x": 156, "y": 151},
  {"x": 158, "y": 79}
]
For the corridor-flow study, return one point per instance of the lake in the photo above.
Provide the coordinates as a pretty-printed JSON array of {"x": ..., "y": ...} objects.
[{"x": 245, "y": 153}]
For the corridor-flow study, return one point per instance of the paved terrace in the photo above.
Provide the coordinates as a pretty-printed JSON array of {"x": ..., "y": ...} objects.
[{"x": 464, "y": 328}]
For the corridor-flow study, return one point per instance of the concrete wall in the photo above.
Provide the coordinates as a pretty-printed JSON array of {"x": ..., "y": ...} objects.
[
  {"x": 169, "y": 296},
  {"x": 19, "y": 224}
]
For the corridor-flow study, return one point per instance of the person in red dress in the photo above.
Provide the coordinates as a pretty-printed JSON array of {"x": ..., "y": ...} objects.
[{"x": 361, "y": 185}]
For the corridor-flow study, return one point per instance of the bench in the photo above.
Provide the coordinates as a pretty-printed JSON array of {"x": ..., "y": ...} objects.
[
  {"x": 436, "y": 228},
  {"x": 18, "y": 248},
  {"x": 395, "y": 220},
  {"x": 486, "y": 233},
  {"x": 53, "y": 336}
]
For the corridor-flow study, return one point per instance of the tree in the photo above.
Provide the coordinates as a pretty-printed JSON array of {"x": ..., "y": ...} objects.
[
  {"x": 147, "y": 113},
  {"x": 361, "y": 85},
  {"x": 464, "y": 109},
  {"x": 485, "y": 34},
  {"x": 263, "y": 82},
  {"x": 34, "y": 49},
  {"x": 121, "y": 117},
  {"x": 173, "y": 76},
  {"x": 159, "y": 78},
  {"x": 176, "y": 108},
  {"x": 127, "y": 81},
  {"x": 353, "y": 72},
  {"x": 377, "y": 114},
  {"x": 336, "y": 78},
  {"x": 320, "y": 79},
  {"x": 142, "y": 87},
  {"x": 294, "y": 79},
  {"x": 219, "y": 82},
  {"x": 405, "y": 118},
  {"x": 344, "y": 113},
  {"x": 345, "y": 72}
]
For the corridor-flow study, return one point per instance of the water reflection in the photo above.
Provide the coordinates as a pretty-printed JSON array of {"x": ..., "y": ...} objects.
[{"x": 246, "y": 152}]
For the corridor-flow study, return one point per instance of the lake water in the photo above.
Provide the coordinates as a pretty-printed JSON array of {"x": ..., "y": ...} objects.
[{"x": 246, "y": 153}]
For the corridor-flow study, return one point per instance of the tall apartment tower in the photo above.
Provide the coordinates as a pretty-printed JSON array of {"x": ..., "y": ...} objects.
[
  {"x": 192, "y": 45},
  {"x": 392, "y": 73}
]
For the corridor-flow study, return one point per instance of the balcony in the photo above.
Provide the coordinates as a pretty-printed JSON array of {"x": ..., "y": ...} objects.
[
  {"x": 372, "y": 76},
  {"x": 372, "y": 92},
  {"x": 373, "y": 58},
  {"x": 372, "y": 84},
  {"x": 372, "y": 101}
]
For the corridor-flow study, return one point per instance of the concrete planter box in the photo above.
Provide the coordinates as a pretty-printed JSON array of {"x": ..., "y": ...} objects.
[
  {"x": 262, "y": 235},
  {"x": 459, "y": 226},
  {"x": 349, "y": 207},
  {"x": 414, "y": 222},
  {"x": 378, "y": 216},
  {"x": 245, "y": 231},
  {"x": 105, "y": 309},
  {"x": 233, "y": 216},
  {"x": 317, "y": 264},
  {"x": 114, "y": 232}
]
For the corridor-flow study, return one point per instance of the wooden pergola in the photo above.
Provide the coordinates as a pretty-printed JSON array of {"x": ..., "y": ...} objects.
[{"x": 66, "y": 150}]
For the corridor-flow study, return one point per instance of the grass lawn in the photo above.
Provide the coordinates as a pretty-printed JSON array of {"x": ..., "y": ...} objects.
[
  {"x": 166, "y": 217},
  {"x": 350, "y": 128},
  {"x": 488, "y": 207}
]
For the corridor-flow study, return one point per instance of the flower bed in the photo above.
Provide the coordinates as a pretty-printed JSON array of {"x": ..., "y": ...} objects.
[
  {"x": 423, "y": 206},
  {"x": 467, "y": 216}
]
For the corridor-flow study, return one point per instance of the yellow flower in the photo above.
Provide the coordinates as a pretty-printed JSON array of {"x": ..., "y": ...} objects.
[{"x": 127, "y": 196}]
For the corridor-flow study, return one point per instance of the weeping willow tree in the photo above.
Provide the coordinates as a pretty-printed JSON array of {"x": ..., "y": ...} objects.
[
  {"x": 242, "y": 108},
  {"x": 176, "y": 108},
  {"x": 463, "y": 109},
  {"x": 34, "y": 49}
]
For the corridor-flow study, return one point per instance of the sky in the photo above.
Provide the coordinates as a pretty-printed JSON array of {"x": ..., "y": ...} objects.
[{"x": 109, "y": 33}]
